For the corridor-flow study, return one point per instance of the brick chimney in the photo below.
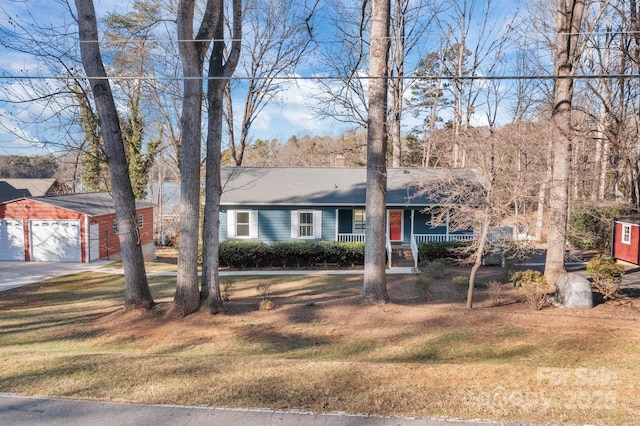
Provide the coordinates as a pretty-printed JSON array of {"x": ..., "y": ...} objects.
[{"x": 340, "y": 160}]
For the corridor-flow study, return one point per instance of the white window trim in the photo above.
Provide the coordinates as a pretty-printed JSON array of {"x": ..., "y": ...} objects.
[
  {"x": 140, "y": 220},
  {"x": 232, "y": 230},
  {"x": 317, "y": 224},
  {"x": 625, "y": 238},
  {"x": 353, "y": 227}
]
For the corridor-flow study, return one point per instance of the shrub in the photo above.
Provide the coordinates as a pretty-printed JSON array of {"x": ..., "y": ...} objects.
[
  {"x": 442, "y": 250},
  {"x": 586, "y": 232},
  {"x": 264, "y": 290},
  {"x": 352, "y": 253},
  {"x": 461, "y": 284},
  {"x": 606, "y": 275},
  {"x": 285, "y": 254},
  {"x": 423, "y": 285},
  {"x": 494, "y": 288},
  {"x": 521, "y": 278},
  {"x": 228, "y": 288},
  {"x": 434, "y": 268},
  {"x": 533, "y": 288},
  {"x": 243, "y": 254},
  {"x": 590, "y": 227}
]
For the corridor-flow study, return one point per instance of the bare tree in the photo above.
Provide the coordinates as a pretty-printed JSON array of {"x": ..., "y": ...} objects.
[
  {"x": 193, "y": 48},
  {"x": 137, "y": 293},
  {"x": 569, "y": 26},
  {"x": 409, "y": 23},
  {"x": 375, "y": 284},
  {"x": 57, "y": 114},
  {"x": 345, "y": 100},
  {"x": 220, "y": 69},
  {"x": 280, "y": 38}
]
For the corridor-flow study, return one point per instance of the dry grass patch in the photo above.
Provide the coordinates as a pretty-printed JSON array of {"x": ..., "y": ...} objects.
[{"x": 320, "y": 349}]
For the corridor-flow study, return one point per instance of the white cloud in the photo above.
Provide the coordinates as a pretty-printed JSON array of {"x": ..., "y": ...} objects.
[{"x": 263, "y": 122}]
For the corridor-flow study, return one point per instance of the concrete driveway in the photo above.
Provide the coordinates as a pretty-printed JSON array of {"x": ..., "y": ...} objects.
[{"x": 17, "y": 274}]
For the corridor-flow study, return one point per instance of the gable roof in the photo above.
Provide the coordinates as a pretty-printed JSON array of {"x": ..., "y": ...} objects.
[
  {"x": 334, "y": 186},
  {"x": 632, "y": 219},
  {"x": 92, "y": 204},
  {"x": 11, "y": 189}
]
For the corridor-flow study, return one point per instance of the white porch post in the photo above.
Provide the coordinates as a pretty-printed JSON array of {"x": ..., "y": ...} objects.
[
  {"x": 412, "y": 224},
  {"x": 386, "y": 229},
  {"x": 448, "y": 224},
  {"x": 337, "y": 217}
]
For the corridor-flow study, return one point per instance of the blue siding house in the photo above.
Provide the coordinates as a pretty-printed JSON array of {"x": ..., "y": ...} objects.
[{"x": 271, "y": 204}]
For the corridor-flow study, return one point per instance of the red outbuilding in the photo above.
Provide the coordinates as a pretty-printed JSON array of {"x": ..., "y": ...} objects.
[
  {"x": 625, "y": 240},
  {"x": 67, "y": 228}
]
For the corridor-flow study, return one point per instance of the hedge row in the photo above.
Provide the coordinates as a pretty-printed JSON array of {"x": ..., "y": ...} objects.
[
  {"x": 441, "y": 250},
  {"x": 249, "y": 254}
]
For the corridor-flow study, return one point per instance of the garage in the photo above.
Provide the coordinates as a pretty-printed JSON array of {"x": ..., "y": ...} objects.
[
  {"x": 11, "y": 239},
  {"x": 68, "y": 228},
  {"x": 55, "y": 241}
]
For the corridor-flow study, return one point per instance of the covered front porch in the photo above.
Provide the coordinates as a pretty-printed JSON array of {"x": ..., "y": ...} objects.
[{"x": 405, "y": 227}]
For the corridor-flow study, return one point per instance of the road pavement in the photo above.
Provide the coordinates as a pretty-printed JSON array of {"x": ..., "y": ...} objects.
[{"x": 34, "y": 411}]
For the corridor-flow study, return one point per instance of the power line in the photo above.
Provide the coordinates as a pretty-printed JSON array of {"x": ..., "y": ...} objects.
[{"x": 338, "y": 78}]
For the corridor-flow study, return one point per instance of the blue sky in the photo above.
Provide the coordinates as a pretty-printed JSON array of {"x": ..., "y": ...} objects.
[{"x": 290, "y": 114}]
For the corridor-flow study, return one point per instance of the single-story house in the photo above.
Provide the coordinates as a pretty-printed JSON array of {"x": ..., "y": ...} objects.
[
  {"x": 67, "y": 228},
  {"x": 625, "y": 239},
  {"x": 13, "y": 188},
  {"x": 272, "y": 204}
]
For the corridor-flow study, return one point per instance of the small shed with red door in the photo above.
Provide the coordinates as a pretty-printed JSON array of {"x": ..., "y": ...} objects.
[
  {"x": 68, "y": 228},
  {"x": 625, "y": 239}
]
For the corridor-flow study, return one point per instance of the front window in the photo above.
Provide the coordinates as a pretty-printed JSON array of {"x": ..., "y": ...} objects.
[
  {"x": 306, "y": 225},
  {"x": 359, "y": 220},
  {"x": 114, "y": 226},
  {"x": 243, "y": 227},
  {"x": 626, "y": 234}
]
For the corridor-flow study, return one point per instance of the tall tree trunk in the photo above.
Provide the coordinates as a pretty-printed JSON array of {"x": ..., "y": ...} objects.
[
  {"x": 375, "y": 284},
  {"x": 192, "y": 50},
  {"x": 569, "y": 25},
  {"x": 220, "y": 71},
  {"x": 136, "y": 287},
  {"x": 397, "y": 85}
]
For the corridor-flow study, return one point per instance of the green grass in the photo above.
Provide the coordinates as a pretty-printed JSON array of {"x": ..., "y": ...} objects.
[{"x": 320, "y": 350}]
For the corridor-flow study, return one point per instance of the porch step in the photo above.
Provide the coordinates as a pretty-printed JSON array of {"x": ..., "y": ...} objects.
[{"x": 401, "y": 256}]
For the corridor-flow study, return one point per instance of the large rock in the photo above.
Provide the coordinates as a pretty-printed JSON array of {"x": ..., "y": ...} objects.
[{"x": 574, "y": 291}]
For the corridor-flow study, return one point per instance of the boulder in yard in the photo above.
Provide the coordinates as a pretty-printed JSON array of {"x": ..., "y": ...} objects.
[{"x": 574, "y": 291}]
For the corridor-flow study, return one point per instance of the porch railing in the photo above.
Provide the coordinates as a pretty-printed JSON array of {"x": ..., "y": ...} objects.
[
  {"x": 351, "y": 238},
  {"x": 442, "y": 238}
]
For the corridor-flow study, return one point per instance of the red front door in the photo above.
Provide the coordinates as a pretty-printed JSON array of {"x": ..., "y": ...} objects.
[{"x": 395, "y": 225}]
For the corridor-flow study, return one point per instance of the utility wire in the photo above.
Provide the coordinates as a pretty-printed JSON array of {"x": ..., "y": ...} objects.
[{"x": 333, "y": 77}]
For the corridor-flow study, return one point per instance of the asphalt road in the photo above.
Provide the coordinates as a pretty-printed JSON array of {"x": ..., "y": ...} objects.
[{"x": 27, "y": 411}]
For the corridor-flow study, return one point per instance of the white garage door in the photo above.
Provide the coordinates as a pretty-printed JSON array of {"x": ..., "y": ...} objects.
[
  {"x": 11, "y": 239},
  {"x": 55, "y": 240}
]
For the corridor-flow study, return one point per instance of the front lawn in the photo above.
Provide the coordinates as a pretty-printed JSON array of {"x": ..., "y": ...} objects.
[{"x": 321, "y": 350}]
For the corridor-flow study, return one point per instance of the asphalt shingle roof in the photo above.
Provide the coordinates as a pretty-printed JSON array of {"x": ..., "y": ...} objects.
[
  {"x": 92, "y": 204},
  {"x": 14, "y": 188},
  {"x": 323, "y": 185}
]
